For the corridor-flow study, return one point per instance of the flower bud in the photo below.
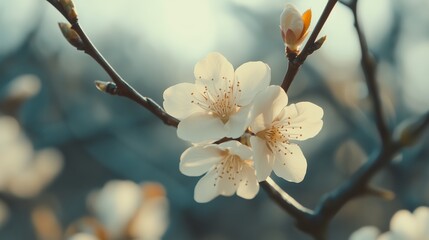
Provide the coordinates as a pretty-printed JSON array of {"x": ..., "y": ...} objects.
[
  {"x": 69, "y": 9},
  {"x": 294, "y": 26},
  {"x": 108, "y": 87},
  {"x": 71, "y": 35}
]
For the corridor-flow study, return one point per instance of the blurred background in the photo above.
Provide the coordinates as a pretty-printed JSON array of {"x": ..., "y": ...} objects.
[{"x": 73, "y": 159}]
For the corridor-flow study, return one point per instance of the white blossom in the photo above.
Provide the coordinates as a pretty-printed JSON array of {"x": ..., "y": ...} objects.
[
  {"x": 228, "y": 169},
  {"x": 404, "y": 225},
  {"x": 274, "y": 127},
  {"x": 217, "y": 105},
  {"x": 131, "y": 211}
]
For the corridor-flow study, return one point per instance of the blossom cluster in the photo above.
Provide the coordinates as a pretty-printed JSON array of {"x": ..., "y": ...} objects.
[{"x": 241, "y": 128}]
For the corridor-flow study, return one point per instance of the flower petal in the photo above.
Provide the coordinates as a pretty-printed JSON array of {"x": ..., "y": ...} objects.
[
  {"x": 302, "y": 120},
  {"x": 390, "y": 236},
  {"x": 201, "y": 127},
  {"x": 263, "y": 158},
  {"x": 291, "y": 19},
  {"x": 178, "y": 100},
  {"x": 206, "y": 188},
  {"x": 228, "y": 186},
  {"x": 421, "y": 215},
  {"x": 291, "y": 165},
  {"x": 238, "y": 122},
  {"x": 197, "y": 160},
  {"x": 292, "y": 40},
  {"x": 252, "y": 77},
  {"x": 236, "y": 148},
  {"x": 249, "y": 186},
  {"x": 214, "y": 66},
  {"x": 365, "y": 233},
  {"x": 403, "y": 223},
  {"x": 306, "y": 19},
  {"x": 267, "y": 105}
]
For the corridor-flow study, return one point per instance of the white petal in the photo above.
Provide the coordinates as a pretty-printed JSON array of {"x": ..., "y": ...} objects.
[
  {"x": 214, "y": 66},
  {"x": 238, "y": 122},
  {"x": 365, "y": 233},
  {"x": 267, "y": 105},
  {"x": 236, "y": 148},
  {"x": 391, "y": 236},
  {"x": 291, "y": 166},
  {"x": 421, "y": 215},
  {"x": 177, "y": 100},
  {"x": 227, "y": 186},
  {"x": 253, "y": 77},
  {"x": 197, "y": 160},
  {"x": 291, "y": 19},
  {"x": 201, "y": 127},
  {"x": 206, "y": 188},
  {"x": 263, "y": 158},
  {"x": 403, "y": 223},
  {"x": 302, "y": 120},
  {"x": 249, "y": 187}
]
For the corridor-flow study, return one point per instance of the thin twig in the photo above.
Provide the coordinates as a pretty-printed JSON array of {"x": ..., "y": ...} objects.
[
  {"x": 123, "y": 88},
  {"x": 284, "y": 200},
  {"x": 369, "y": 68},
  {"x": 296, "y": 61}
]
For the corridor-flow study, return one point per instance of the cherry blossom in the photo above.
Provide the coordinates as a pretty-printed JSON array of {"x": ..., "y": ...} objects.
[
  {"x": 404, "y": 225},
  {"x": 273, "y": 129},
  {"x": 218, "y": 104},
  {"x": 228, "y": 169}
]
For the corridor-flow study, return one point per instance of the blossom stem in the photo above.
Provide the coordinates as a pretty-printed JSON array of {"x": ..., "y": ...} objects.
[{"x": 296, "y": 62}]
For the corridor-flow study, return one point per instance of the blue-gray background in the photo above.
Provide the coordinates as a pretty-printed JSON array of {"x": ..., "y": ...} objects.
[{"x": 155, "y": 44}]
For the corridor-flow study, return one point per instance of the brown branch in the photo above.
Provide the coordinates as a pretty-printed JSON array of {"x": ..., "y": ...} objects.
[
  {"x": 285, "y": 201},
  {"x": 122, "y": 87},
  {"x": 369, "y": 68},
  {"x": 295, "y": 61}
]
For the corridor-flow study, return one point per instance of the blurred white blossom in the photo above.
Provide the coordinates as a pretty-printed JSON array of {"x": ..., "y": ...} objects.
[
  {"x": 83, "y": 236},
  {"x": 404, "y": 225},
  {"x": 24, "y": 86},
  {"x": 217, "y": 105},
  {"x": 126, "y": 209},
  {"x": 228, "y": 167},
  {"x": 23, "y": 171}
]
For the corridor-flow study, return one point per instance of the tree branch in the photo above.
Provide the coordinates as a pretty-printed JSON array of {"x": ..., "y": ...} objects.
[
  {"x": 285, "y": 201},
  {"x": 369, "y": 68},
  {"x": 122, "y": 88},
  {"x": 295, "y": 61}
]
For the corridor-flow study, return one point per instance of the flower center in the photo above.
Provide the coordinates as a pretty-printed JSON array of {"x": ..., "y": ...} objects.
[
  {"x": 218, "y": 98},
  {"x": 277, "y": 136},
  {"x": 229, "y": 169}
]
